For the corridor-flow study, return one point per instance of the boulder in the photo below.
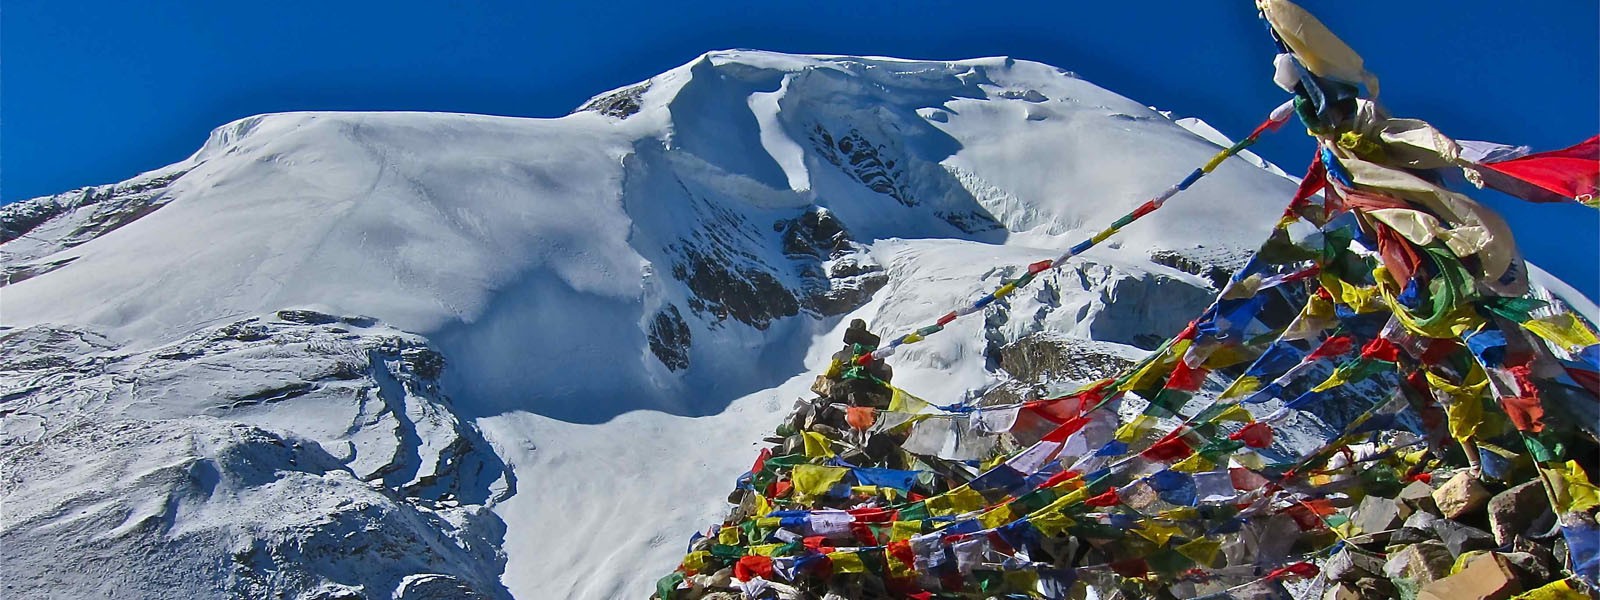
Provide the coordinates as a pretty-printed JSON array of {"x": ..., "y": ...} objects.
[
  {"x": 1376, "y": 515},
  {"x": 1520, "y": 510},
  {"x": 1349, "y": 566},
  {"x": 1421, "y": 520},
  {"x": 823, "y": 386},
  {"x": 1460, "y": 538},
  {"x": 1421, "y": 563},
  {"x": 1533, "y": 568},
  {"x": 1460, "y": 496},
  {"x": 1417, "y": 496},
  {"x": 1341, "y": 591},
  {"x": 1486, "y": 577},
  {"x": 1375, "y": 588},
  {"x": 1406, "y": 536}
]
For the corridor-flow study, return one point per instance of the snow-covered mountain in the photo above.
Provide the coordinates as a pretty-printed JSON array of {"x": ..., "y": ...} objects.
[{"x": 408, "y": 355}]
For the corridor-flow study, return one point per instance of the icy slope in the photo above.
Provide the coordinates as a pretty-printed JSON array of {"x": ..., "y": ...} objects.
[{"x": 607, "y": 309}]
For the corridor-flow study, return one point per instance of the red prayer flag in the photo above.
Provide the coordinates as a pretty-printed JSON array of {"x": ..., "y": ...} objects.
[
  {"x": 1133, "y": 567},
  {"x": 1300, "y": 569},
  {"x": 1110, "y": 498},
  {"x": 1254, "y": 435},
  {"x": 752, "y": 566},
  {"x": 1525, "y": 412},
  {"x": 1186, "y": 379},
  {"x": 1566, "y": 175},
  {"x": 761, "y": 460},
  {"x": 1171, "y": 447},
  {"x": 1381, "y": 349},
  {"x": 1333, "y": 346},
  {"x": 1058, "y": 478},
  {"x": 860, "y": 418}
]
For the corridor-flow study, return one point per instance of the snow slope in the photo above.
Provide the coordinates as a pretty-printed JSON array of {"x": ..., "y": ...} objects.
[{"x": 555, "y": 340}]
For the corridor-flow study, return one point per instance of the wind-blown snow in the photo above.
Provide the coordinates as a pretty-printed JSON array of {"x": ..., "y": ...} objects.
[{"x": 621, "y": 300}]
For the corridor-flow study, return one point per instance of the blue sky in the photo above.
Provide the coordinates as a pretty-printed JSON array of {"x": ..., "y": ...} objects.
[{"x": 96, "y": 91}]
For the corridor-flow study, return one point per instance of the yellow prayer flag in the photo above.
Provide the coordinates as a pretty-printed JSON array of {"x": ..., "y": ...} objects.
[
  {"x": 695, "y": 561},
  {"x": 1194, "y": 464},
  {"x": 965, "y": 499},
  {"x": 1339, "y": 377},
  {"x": 1555, "y": 590},
  {"x": 769, "y": 522},
  {"x": 1158, "y": 532},
  {"x": 765, "y": 549},
  {"x": 1051, "y": 523},
  {"x": 1316, "y": 48},
  {"x": 1202, "y": 551},
  {"x": 762, "y": 506},
  {"x": 815, "y": 480},
  {"x": 1573, "y": 492},
  {"x": 1131, "y": 431},
  {"x": 1465, "y": 410},
  {"x": 999, "y": 515},
  {"x": 1022, "y": 579},
  {"x": 1181, "y": 513},
  {"x": 847, "y": 562},
  {"x": 1241, "y": 387},
  {"x": 1236, "y": 413},
  {"x": 1152, "y": 372},
  {"x": 728, "y": 536},
  {"x": 904, "y": 530},
  {"x": 1227, "y": 356},
  {"x": 817, "y": 445},
  {"x": 900, "y": 401},
  {"x": 1249, "y": 460},
  {"x": 1564, "y": 330}
]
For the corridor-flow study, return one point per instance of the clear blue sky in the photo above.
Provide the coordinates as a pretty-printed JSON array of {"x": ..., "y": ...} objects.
[{"x": 96, "y": 91}]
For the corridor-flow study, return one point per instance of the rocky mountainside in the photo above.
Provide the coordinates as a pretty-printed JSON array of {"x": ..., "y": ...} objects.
[{"x": 406, "y": 355}]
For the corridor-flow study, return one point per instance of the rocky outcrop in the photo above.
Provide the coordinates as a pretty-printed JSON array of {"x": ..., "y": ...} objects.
[
  {"x": 300, "y": 451},
  {"x": 74, "y": 218},
  {"x": 621, "y": 103}
]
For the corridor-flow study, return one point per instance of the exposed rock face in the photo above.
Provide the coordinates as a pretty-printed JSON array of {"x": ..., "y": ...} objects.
[
  {"x": 837, "y": 274},
  {"x": 670, "y": 338},
  {"x": 380, "y": 483},
  {"x": 74, "y": 218},
  {"x": 622, "y": 103},
  {"x": 863, "y": 161}
]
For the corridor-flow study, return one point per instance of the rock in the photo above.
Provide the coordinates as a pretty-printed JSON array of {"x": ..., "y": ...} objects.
[
  {"x": 1375, "y": 588},
  {"x": 1350, "y": 565},
  {"x": 823, "y": 386},
  {"x": 305, "y": 317},
  {"x": 1488, "y": 577},
  {"x": 1460, "y": 539},
  {"x": 1533, "y": 568},
  {"x": 1419, "y": 563},
  {"x": 670, "y": 339},
  {"x": 1376, "y": 515},
  {"x": 1417, "y": 528},
  {"x": 1421, "y": 520},
  {"x": 1417, "y": 496},
  {"x": 1406, "y": 536},
  {"x": 1341, "y": 591},
  {"x": 1461, "y": 495},
  {"x": 1518, "y": 510},
  {"x": 1365, "y": 588}
]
